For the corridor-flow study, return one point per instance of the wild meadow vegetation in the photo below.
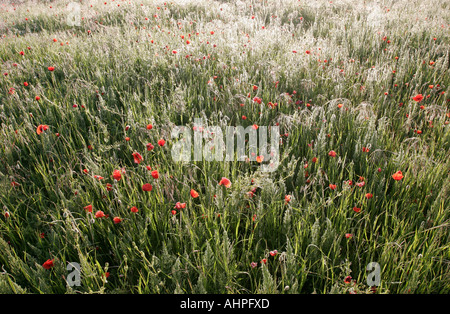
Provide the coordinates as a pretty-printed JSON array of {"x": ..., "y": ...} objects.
[{"x": 359, "y": 90}]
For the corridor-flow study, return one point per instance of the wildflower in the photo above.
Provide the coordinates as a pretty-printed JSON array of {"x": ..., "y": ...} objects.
[
  {"x": 117, "y": 220},
  {"x": 149, "y": 126},
  {"x": 117, "y": 175},
  {"x": 134, "y": 209},
  {"x": 224, "y": 181},
  {"x": 287, "y": 198},
  {"x": 253, "y": 264},
  {"x": 41, "y": 128},
  {"x": 51, "y": 69},
  {"x": 348, "y": 235},
  {"x": 99, "y": 214},
  {"x": 397, "y": 176},
  {"x": 150, "y": 147},
  {"x": 137, "y": 158},
  {"x": 332, "y": 153},
  {"x": 179, "y": 205},
  {"x": 418, "y": 98},
  {"x": 194, "y": 193},
  {"x": 88, "y": 208},
  {"x": 273, "y": 253},
  {"x": 155, "y": 174},
  {"x": 48, "y": 264},
  {"x": 356, "y": 209},
  {"x": 147, "y": 187},
  {"x": 348, "y": 279},
  {"x": 369, "y": 195},
  {"x": 333, "y": 186},
  {"x": 161, "y": 142}
]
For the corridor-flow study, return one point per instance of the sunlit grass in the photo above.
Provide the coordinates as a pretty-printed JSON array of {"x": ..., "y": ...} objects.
[{"x": 342, "y": 76}]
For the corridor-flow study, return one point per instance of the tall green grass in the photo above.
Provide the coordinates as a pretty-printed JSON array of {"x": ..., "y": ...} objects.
[{"x": 117, "y": 77}]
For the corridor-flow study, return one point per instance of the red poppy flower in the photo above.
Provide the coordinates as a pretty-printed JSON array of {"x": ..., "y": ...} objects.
[
  {"x": 258, "y": 100},
  {"x": 147, "y": 187},
  {"x": 117, "y": 175},
  {"x": 150, "y": 146},
  {"x": 348, "y": 279},
  {"x": 51, "y": 69},
  {"x": 224, "y": 181},
  {"x": 37, "y": 98},
  {"x": 25, "y": 84},
  {"x": 418, "y": 98},
  {"x": 333, "y": 186},
  {"x": 314, "y": 160},
  {"x": 174, "y": 212},
  {"x": 99, "y": 214},
  {"x": 149, "y": 126},
  {"x": 273, "y": 253},
  {"x": 194, "y": 193},
  {"x": 155, "y": 174},
  {"x": 264, "y": 261},
  {"x": 179, "y": 205},
  {"x": 134, "y": 209},
  {"x": 356, "y": 209},
  {"x": 332, "y": 153},
  {"x": 48, "y": 264},
  {"x": 369, "y": 195},
  {"x": 109, "y": 186},
  {"x": 41, "y": 128},
  {"x": 88, "y": 208},
  {"x": 117, "y": 220},
  {"x": 397, "y": 176},
  {"x": 260, "y": 158},
  {"x": 348, "y": 235},
  {"x": 137, "y": 158},
  {"x": 287, "y": 199},
  {"x": 360, "y": 184},
  {"x": 161, "y": 142}
]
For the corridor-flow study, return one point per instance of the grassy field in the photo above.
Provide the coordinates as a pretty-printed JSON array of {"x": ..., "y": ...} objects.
[{"x": 80, "y": 104}]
